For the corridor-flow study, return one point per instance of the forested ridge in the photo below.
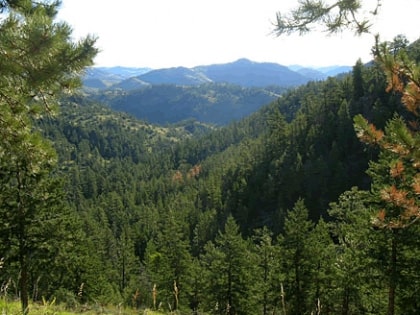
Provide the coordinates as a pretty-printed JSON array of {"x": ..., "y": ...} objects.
[
  {"x": 215, "y": 103},
  {"x": 310, "y": 205},
  {"x": 156, "y": 205}
]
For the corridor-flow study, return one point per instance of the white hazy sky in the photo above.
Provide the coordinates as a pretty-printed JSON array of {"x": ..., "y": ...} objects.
[{"x": 170, "y": 33}]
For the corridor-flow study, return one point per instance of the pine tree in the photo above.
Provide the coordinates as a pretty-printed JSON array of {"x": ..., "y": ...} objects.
[
  {"x": 358, "y": 81},
  {"x": 266, "y": 278},
  {"x": 38, "y": 62},
  {"x": 296, "y": 259},
  {"x": 396, "y": 177},
  {"x": 229, "y": 288},
  {"x": 168, "y": 261},
  {"x": 355, "y": 271},
  {"x": 322, "y": 254},
  {"x": 395, "y": 188}
]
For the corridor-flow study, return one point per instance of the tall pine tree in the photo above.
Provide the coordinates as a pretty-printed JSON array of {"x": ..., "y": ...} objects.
[
  {"x": 395, "y": 176},
  {"x": 38, "y": 62},
  {"x": 229, "y": 283}
]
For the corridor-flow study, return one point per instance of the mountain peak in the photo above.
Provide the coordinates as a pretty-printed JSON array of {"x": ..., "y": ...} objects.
[
  {"x": 243, "y": 61},
  {"x": 242, "y": 72}
]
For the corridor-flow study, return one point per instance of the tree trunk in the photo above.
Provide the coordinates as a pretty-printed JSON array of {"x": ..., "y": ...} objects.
[
  {"x": 265, "y": 297},
  {"x": 229, "y": 295},
  {"x": 346, "y": 302},
  {"x": 299, "y": 295},
  {"x": 393, "y": 275},
  {"x": 23, "y": 285},
  {"x": 23, "y": 252}
]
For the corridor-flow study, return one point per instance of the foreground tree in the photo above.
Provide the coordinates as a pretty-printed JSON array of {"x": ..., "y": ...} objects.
[
  {"x": 356, "y": 274},
  {"x": 396, "y": 176},
  {"x": 168, "y": 260},
  {"x": 38, "y": 63},
  {"x": 296, "y": 260},
  {"x": 396, "y": 179},
  {"x": 231, "y": 291},
  {"x": 266, "y": 256}
]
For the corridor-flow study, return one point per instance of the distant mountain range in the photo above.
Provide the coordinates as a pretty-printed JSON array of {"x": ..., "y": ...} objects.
[
  {"x": 105, "y": 77},
  {"x": 321, "y": 72},
  {"x": 242, "y": 72}
]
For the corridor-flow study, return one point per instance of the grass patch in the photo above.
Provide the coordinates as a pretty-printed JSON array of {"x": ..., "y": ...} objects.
[{"x": 50, "y": 308}]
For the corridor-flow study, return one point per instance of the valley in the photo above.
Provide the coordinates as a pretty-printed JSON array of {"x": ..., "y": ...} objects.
[{"x": 225, "y": 189}]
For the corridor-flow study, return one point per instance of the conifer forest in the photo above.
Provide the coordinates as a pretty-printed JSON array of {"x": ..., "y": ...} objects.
[{"x": 308, "y": 205}]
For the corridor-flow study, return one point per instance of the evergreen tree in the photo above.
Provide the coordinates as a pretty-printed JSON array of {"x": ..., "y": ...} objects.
[
  {"x": 229, "y": 286},
  {"x": 356, "y": 274},
  {"x": 195, "y": 286},
  {"x": 38, "y": 63},
  {"x": 266, "y": 256},
  {"x": 395, "y": 177},
  {"x": 322, "y": 255},
  {"x": 296, "y": 260},
  {"x": 168, "y": 261},
  {"x": 358, "y": 80}
]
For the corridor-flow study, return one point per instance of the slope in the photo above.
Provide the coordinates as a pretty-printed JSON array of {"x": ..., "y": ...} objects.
[{"x": 209, "y": 103}]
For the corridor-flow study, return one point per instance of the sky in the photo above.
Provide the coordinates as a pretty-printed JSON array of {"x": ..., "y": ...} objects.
[{"x": 171, "y": 33}]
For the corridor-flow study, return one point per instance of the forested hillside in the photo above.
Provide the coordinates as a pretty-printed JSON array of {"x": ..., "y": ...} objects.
[
  {"x": 217, "y": 104},
  {"x": 158, "y": 206},
  {"x": 309, "y": 205}
]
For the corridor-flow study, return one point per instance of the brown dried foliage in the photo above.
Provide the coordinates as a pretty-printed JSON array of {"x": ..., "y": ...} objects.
[{"x": 397, "y": 170}]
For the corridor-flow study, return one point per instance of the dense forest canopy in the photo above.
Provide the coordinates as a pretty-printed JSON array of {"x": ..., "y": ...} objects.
[{"x": 308, "y": 205}]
